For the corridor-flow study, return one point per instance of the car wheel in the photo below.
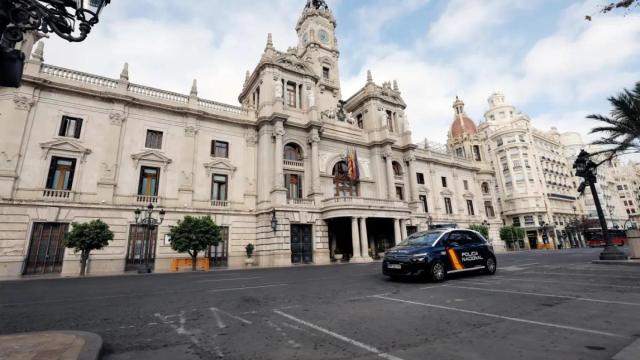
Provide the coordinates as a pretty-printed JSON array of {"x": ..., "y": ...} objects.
[
  {"x": 490, "y": 266},
  {"x": 438, "y": 272}
]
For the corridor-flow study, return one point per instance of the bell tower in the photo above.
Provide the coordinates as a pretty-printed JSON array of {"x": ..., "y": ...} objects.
[{"x": 318, "y": 46}]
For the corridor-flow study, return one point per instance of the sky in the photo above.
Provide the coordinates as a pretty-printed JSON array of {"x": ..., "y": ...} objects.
[{"x": 543, "y": 55}]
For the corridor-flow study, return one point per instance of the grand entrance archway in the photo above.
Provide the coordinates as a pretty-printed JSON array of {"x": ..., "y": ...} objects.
[
  {"x": 301, "y": 244},
  {"x": 381, "y": 236},
  {"x": 340, "y": 245}
]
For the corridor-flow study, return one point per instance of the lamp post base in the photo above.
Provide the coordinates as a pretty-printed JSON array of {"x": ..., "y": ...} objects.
[{"x": 611, "y": 252}]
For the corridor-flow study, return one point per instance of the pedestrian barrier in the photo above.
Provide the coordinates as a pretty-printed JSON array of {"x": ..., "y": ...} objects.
[{"x": 202, "y": 264}]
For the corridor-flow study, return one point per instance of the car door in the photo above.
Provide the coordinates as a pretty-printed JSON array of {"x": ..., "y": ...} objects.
[
  {"x": 455, "y": 246},
  {"x": 475, "y": 252}
]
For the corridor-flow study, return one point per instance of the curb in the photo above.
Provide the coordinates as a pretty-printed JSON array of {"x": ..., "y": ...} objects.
[
  {"x": 617, "y": 262},
  {"x": 629, "y": 353},
  {"x": 90, "y": 350},
  {"x": 92, "y": 347}
]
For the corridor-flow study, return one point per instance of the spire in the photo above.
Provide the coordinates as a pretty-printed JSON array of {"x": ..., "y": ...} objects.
[
  {"x": 247, "y": 75},
  {"x": 124, "y": 75},
  {"x": 194, "y": 88},
  {"x": 269, "y": 42},
  {"x": 458, "y": 105},
  {"x": 369, "y": 76},
  {"x": 38, "y": 55},
  {"x": 395, "y": 85}
]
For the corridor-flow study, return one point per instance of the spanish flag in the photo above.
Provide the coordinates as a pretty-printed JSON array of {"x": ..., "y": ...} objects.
[{"x": 352, "y": 164}]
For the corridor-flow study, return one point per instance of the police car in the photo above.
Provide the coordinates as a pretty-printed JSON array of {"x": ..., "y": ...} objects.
[{"x": 436, "y": 253}]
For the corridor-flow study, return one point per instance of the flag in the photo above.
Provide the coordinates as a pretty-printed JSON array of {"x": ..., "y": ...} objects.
[{"x": 352, "y": 164}]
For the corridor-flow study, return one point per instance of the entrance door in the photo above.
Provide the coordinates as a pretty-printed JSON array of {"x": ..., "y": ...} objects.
[
  {"x": 532, "y": 236},
  {"x": 141, "y": 245},
  {"x": 46, "y": 250},
  {"x": 301, "y": 244}
]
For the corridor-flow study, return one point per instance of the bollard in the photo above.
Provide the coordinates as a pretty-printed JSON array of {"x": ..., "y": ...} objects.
[{"x": 633, "y": 237}]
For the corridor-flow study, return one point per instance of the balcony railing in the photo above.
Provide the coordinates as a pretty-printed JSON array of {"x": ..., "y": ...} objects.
[
  {"x": 220, "y": 203},
  {"x": 147, "y": 199},
  {"x": 301, "y": 202},
  {"x": 362, "y": 201},
  {"x": 294, "y": 164},
  {"x": 57, "y": 194}
]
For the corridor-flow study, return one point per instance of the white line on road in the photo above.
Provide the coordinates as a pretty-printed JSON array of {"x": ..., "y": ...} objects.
[
  {"x": 219, "y": 322},
  {"x": 231, "y": 279},
  {"x": 245, "y": 321},
  {"x": 356, "y": 343},
  {"x": 544, "y": 295},
  {"x": 247, "y": 288},
  {"x": 565, "y": 327},
  {"x": 583, "y": 275},
  {"x": 502, "y": 278}
]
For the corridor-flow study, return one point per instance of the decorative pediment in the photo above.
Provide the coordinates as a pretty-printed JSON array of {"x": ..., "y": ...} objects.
[
  {"x": 446, "y": 192},
  {"x": 292, "y": 62},
  {"x": 222, "y": 166},
  {"x": 65, "y": 146},
  {"x": 468, "y": 195},
  {"x": 151, "y": 156}
]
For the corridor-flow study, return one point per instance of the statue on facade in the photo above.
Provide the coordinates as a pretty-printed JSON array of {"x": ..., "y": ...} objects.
[
  {"x": 317, "y": 4},
  {"x": 278, "y": 90},
  {"x": 341, "y": 114},
  {"x": 311, "y": 99}
]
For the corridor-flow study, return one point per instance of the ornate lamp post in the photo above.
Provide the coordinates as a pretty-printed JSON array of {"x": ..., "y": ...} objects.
[
  {"x": 274, "y": 220},
  {"x": 72, "y": 20},
  {"x": 150, "y": 224},
  {"x": 587, "y": 169},
  {"x": 430, "y": 222}
]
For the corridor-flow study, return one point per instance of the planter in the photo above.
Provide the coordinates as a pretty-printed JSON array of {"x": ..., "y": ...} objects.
[
  {"x": 249, "y": 262},
  {"x": 338, "y": 257}
]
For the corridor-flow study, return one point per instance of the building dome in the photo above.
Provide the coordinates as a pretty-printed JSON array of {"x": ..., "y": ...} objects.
[{"x": 462, "y": 124}]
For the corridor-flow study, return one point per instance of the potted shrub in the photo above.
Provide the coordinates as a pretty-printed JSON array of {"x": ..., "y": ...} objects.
[
  {"x": 338, "y": 257},
  {"x": 249, "y": 249}
]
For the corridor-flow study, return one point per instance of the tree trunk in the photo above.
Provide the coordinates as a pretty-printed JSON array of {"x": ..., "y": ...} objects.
[
  {"x": 194, "y": 260},
  {"x": 83, "y": 263}
]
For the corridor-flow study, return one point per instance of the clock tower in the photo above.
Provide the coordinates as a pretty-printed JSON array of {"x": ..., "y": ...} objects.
[{"x": 318, "y": 47}]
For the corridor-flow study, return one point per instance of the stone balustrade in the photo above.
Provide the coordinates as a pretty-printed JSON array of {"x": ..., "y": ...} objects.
[
  {"x": 301, "y": 202},
  {"x": 363, "y": 201},
  {"x": 293, "y": 164},
  {"x": 57, "y": 194},
  {"x": 214, "y": 105},
  {"x": 220, "y": 203},
  {"x": 74, "y": 75}
]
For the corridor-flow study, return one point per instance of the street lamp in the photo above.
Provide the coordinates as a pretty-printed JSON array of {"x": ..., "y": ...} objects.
[
  {"x": 587, "y": 169},
  {"x": 18, "y": 17},
  {"x": 274, "y": 220},
  {"x": 430, "y": 221},
  {"x": 150, "y": 224}
]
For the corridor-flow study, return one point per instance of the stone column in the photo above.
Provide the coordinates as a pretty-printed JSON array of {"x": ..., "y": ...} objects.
[
  {"x": 314, "y": 140},
  {"x": 279, "y": 191},
  {"x": 413, "y": 181},
  {"x": 388, "y": 155},
  {"x": 403, "y": 229},
  {"x": 396, "y": 231},
  {"x": 355, "y": 241},
  {"x": 364, "y": 239}
]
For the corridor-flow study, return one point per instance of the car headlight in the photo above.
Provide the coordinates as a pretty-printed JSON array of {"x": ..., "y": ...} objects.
[{"x": 419, "y": 257}]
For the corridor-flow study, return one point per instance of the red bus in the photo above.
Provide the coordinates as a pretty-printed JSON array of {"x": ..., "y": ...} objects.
[{"x": 594, "y": 237}]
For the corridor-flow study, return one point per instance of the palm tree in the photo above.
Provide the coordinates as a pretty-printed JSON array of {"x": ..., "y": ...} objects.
[{"x": 621, "y": 134}]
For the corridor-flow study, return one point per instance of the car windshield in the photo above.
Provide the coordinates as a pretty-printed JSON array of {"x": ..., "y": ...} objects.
[{"x": 422, "y": 239}]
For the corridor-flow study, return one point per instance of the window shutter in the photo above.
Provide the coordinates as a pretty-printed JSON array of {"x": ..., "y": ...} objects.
[
  {"x": 63, "y": 126},
  {"x": 140, "y": 192},
  {"x": 71, "y": 173},
  {"x": 300, "y": 187},
  {"x": 213, "y": 148},
  {"x": 155, "y": 189},
  {"x": 52, "y": 171},
  {"x": 78, "y": 128}
]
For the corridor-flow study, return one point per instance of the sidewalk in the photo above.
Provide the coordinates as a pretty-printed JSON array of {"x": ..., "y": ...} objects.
[
  {"x": 630, "y": 262},
  {"x": 51, "y": 345}
]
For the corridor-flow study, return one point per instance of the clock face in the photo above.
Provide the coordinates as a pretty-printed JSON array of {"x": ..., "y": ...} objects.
[{"x": 324, "y": 36}]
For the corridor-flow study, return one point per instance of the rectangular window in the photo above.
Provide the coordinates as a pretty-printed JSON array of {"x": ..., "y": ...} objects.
[
  {"x": 460, "y": 152},
  {"x": 149, "y": 179},
  {"x": 154, "y": 139},
  {"x": 70, "y": 127},
  {"x": 360, "y": 121},
  {"x": 399, "y": 193},
  {"x": 447, "y": 206},
  {"x": 425, "y": 205},
  {"x": 516, "y": 221},
  {"x": 465, "y": 183},
  {"x": 420, "y": 178},
  {"x": 470, "y": 207},
  {"x": 61, "y": 173},
  {"x": 293, "y": 182},
  {"x": 291, "y": 94},
  {"x": 219, "y": 149},
  {"x": 476, "y": 153},
  {"x": 390, "y": 120},
  {"x": 488, "y": 209},
  {"x": 528, "y": 220},
  {"x": 219, "y": 190},
  {"x": 499, "y": 142},
  {"x": 444, "y": 182},
  {"x": 326, "y": 72}
]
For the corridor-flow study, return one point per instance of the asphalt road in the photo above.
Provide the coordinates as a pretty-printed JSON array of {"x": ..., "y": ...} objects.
[{"x": 540, "y": 305}]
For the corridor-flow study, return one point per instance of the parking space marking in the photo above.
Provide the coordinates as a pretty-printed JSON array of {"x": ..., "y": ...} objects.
[
  {"x": 247, "y": 288},
  {"x": 356, "y": 343},
  {"x": 504, "y": 278},
  {"x": 545, "y": 295},
  {"x": 584, "y": 275},
  {"x": 231, "y": 279},
  {"x": 495, "y": 316}
]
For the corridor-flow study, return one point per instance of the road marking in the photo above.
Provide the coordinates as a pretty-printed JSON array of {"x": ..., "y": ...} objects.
[
  {"x": 569, "y": 283},
  {"x": 558, "y": 326},
  {"x": 247, "y": 288},
  {"x": 219, "y": 322},
  {"x": 583, "y": 275},
  {"x": 245, "y": 321},
  {"x": 289, "y": 340},
  {"x": 545, "y": 295},
  {"x": 356, "y": 343},
  {"x": 231, "y": 279}
]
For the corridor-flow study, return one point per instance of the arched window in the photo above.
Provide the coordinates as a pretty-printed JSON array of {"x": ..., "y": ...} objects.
[
  {"x": 343, "y": 183},
  {"x": 292, "y": 152},
  {"x": 397, "y": 169},
  {"x": 485, "y": 188}
]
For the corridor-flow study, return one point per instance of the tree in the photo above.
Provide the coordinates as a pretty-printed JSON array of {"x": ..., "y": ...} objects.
[
  {"x": 482, "y": 229},
  {"x": 621, "y": 134},
  {"x": 193, "y": 235},
  {"x": 617, "y": 5},
  {"x": 84, "y": 238},
  {"x": 510, "y": 234}
]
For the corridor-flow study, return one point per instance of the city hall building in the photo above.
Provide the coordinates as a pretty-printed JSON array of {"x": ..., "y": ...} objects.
[{"x": 300, "y": 171}]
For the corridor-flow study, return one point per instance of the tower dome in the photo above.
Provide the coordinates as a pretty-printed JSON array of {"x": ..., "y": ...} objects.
[{"x": 462, "y": 124}]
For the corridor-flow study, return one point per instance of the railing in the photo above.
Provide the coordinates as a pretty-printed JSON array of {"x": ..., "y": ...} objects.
[
  {"x": 214, "y": 105},
  {"x": 294, "y": 163},
  {"x": 78, "y": 76},
  {"x": 219, "y": 203},
  {"x": 304, "y": 202},
  {"x": 354, "y": 200},
  {"x": 57, "y": 194},
  {"x": 157, "y": 93},
  {"x": 147, "y": 199}
]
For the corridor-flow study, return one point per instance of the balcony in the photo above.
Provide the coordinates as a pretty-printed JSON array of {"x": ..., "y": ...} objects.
[
  {"x": 146, "y": 199},
  {"x": 220, "y": 203},
  {"x": 293, "y": 164},
  {"x": 57, "y": 194},
  {"x": 301, "y": 202},
  {"x": 363, "y": 202}
]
